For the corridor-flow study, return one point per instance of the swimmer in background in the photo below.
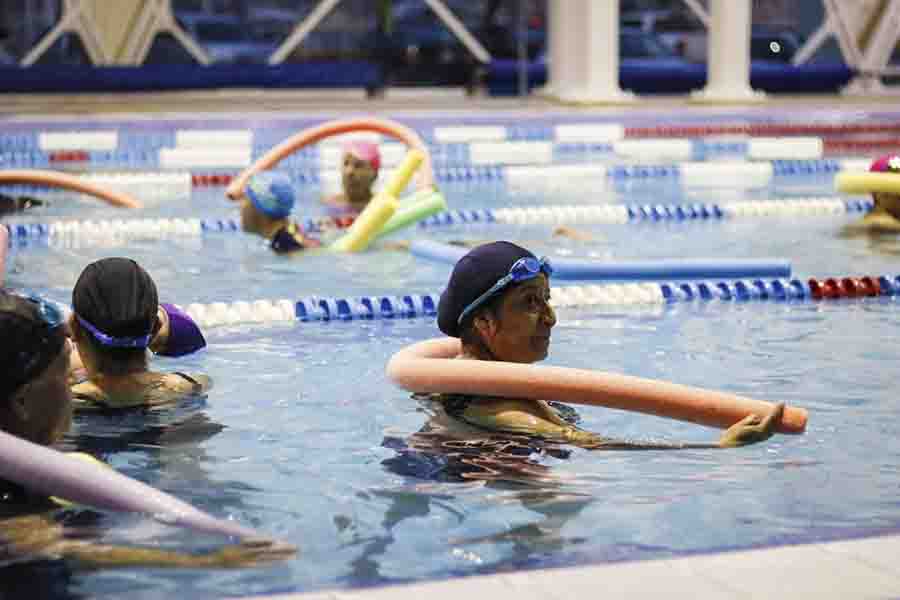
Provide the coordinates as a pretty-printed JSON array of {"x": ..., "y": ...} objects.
[
  {"x": 36, "y": 405},
  {"x": 360, "y": 164},
  {"x": 265, "y": 206},
  {"x": 116, "y": 318},
  {"x": 498, "y": 303},
  {"x": 14, "y": 204},
  {"x": 885, "y": 214}
]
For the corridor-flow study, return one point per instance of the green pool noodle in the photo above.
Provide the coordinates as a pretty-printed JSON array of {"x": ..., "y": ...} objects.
[{"x": 421, "y": 206}]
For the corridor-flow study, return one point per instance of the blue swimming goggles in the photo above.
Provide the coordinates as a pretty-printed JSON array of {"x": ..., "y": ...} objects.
[
  {"x": 49, "y": 313},
  {"x": 37, "y": 350},
  {"x": 522, "y": 270},
  {"x": 140, "y": 341}
]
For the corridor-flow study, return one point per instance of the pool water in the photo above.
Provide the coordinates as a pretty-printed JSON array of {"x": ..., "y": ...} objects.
[{"x": 304, "y": 438}]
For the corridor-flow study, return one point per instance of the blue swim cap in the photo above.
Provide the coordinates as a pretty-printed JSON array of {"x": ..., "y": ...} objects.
[{"x": 271, "y": 194}]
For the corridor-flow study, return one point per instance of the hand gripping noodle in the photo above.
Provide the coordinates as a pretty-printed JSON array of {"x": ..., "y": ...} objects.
[
  {"x": 380, "y": 208},
  {"x": 329, "y": 129},
  {"x": 422, "y": 205},
  {"x": 69, "y": 182},
  {"x": 53, "y": 473},
  {"x": 868, "y": 183},
  {"x": 430, "y": 366}
]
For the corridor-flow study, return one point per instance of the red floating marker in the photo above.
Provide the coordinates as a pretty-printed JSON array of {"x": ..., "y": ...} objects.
[
  {"x": 850, "y": 288},
  {"x": 870, "y": 286},
  {"x": 815, "y": 289},
  {"x": 831, "y": 289}
]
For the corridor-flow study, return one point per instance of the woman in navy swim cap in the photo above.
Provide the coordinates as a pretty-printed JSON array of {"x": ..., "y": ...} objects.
[{"x": 498, "y": 303}]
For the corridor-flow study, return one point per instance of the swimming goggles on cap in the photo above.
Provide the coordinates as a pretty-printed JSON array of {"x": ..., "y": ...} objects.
[
  {"x": 49, "y": 313},
  {"x": 141, "y": 341},
  {"x": 42, "y": 347},
  {"x": 523, "y": 269}
]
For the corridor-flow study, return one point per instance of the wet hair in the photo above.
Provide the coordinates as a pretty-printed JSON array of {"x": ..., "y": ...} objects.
[
  {"x": 30, "y": 343},
  {"x": 117, "y": 298}
]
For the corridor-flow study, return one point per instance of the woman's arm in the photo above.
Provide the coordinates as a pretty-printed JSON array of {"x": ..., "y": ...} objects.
[{"x": 38, "y": 535}]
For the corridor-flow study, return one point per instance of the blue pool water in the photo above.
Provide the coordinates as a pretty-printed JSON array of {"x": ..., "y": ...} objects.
[{"x": 304, "y": 438}]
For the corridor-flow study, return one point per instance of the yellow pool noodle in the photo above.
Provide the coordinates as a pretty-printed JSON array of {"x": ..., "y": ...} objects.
[
  {"x": 399, "y": 178},
  {"x": 868, "y": 183},
  {"x": 380, "y": 209}
]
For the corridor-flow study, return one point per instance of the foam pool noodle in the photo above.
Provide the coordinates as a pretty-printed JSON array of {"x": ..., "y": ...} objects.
[
  {"x": 380, "y": 209},
  {"x": 422, "y": 205},
  {"x": 867, "y": 183}
]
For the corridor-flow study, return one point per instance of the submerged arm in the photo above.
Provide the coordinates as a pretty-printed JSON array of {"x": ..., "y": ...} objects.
[{"x": 39, "y": 536}]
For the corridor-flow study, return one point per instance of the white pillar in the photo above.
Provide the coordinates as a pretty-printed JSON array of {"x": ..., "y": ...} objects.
[
  {"x": 584, "y": 52},
  {"x": 728, "y": 54},
  {"x": 602, "y": 52}
]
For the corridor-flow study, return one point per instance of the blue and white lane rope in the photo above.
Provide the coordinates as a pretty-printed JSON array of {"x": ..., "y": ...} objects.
[
  {"x": 632, "y": 213},
  {"x": 425, "y": 305},
  {"x": 637, "y": 270},
  {"x": 558, "y": 215}
]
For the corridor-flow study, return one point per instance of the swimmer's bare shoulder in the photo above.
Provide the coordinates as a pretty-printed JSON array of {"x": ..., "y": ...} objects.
[{"x": 149, "y": 389}]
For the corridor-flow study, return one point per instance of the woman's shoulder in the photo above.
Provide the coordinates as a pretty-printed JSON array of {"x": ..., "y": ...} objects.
[{"x": 149, "y": 389}]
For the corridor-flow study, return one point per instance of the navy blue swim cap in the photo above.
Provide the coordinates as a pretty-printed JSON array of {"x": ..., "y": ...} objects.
[{"x": 473, "y": 275}]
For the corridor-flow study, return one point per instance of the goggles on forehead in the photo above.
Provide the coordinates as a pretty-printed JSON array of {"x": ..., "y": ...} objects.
[{"x": 522, "y": 270}]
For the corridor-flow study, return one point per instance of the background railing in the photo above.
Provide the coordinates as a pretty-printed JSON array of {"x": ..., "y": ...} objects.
[{"x": 428, "y": 42}]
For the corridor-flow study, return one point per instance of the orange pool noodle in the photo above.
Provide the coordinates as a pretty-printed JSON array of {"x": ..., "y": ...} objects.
[
  {"x": 68, "y": 182},
  {"x": 430, "y": 366},
  {"x": 329, "y": 129}
]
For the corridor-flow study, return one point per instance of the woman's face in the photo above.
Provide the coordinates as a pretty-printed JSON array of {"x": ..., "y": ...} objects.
[
  {"x": 47, "y": 401},
  {"x": 357, "y": 175},
  {"x": 519, "y": 330}
]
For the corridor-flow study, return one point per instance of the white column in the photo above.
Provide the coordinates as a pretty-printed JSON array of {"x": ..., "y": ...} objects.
[
  {"x": 584, "y": 52},
  {"x": 602, "y": 52},
  {"x": 728, "y": 54}
]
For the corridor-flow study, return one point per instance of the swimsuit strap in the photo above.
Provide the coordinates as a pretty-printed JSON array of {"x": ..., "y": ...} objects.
[{"x": 198, "y": 387}]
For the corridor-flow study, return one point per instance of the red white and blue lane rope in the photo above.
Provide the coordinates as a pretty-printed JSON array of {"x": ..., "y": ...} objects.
[{"x": 408, "y": 306}]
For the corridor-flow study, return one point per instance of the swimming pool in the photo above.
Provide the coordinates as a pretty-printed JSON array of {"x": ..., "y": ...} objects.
[{"x": 303, "y": 437}]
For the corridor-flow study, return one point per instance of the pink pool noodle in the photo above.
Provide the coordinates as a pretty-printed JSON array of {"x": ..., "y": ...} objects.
[{"x": 53, "y": 473}]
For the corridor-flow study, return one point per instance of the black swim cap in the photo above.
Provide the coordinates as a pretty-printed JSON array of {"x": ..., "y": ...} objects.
[
  {"x": 473, "y": 275},
  {"x": 117, "y": 297},
  {"x": 33, "y": 335}
]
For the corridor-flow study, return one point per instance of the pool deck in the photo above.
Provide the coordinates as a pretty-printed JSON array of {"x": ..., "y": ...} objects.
[
  {"x": 241, "y": 102},
  {"x": 860, "y": 568}
]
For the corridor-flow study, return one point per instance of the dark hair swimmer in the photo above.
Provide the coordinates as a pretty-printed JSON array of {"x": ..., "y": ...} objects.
[
  {"x": 116, "y": 319},
  {"x": 36, "y": 405},
  {"x": 498, "y": 303},
  {"x": 35, "y": 401}
]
